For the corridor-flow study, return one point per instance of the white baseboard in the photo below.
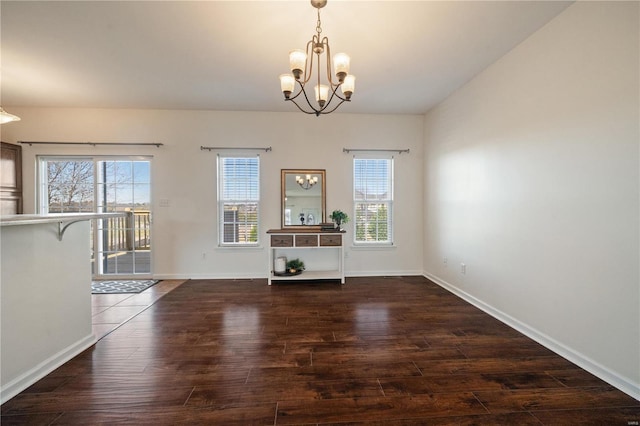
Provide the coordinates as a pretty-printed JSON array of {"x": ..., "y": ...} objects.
[
  {"x": 233, "y": 276},
  {"x": 31, "y": 376},
  {"x": 264, "y": 277},
  {"x": 625, "y": 385},
  {"x": 382, "y": 273}
]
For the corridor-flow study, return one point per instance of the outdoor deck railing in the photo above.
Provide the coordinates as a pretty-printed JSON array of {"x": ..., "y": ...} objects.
[{"x": 129, "y": 232}]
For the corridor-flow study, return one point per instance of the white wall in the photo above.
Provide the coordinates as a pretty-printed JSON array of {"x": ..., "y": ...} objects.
[
  {"x": 531, "y": 177},
  {"x": 41, "y": 279},
  {"x": 186, "y": 176}
]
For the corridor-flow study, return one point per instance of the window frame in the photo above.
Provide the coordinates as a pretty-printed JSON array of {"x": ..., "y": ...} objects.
[
  {"x": 388, "y": 201},
  {"x": 222, "y": 202},
  {"x": 98, "y": 250}
]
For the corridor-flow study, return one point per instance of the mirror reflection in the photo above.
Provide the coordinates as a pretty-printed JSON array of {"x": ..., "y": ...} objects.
[{"x": 303, "y": 197}]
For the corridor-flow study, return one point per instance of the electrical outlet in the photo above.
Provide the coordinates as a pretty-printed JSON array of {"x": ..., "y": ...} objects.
[
  {"x": 463, "y": 268},
  {"x": 204, "y": 255},
  {"x": 445, "y": 261}
]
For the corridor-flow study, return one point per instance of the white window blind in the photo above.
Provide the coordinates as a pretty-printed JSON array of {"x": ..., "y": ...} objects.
[
  {"x": 238, "y": 200},
  {"x": 373, "y": 200}
]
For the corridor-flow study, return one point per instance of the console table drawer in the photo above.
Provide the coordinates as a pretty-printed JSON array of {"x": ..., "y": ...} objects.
[
  {"x": 282, "y": 241},
  {"x": 330, "y": 240},
  {"x": 306, "y": 240}
]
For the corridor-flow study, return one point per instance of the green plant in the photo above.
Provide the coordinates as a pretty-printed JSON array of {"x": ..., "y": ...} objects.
[
  {"x": 296, "y": 264},
  {"x": 339, "y": 217}
]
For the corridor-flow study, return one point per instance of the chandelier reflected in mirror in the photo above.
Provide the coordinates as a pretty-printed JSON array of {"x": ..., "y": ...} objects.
[
  {"x": 306, "y": 182},
  {"x": 327, "y": 99}
]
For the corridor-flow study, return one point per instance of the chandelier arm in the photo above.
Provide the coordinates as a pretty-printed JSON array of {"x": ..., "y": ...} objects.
[
  {"x": 308, "y": 64},
  {"x": 300, "y": 90},
  {"x": 301, "y": 109},
  {"x": 317, "y": 112},
  {"x": 309, "y": 102},
  {"x": 326, "y": 105},
  {"x": 335, "y": 93},
  {"x": 336, "y": 107},
  {"x": 342, "y": 99},
  {"x": 318, "y": 75},
  {"x": 325, "y": 42}
]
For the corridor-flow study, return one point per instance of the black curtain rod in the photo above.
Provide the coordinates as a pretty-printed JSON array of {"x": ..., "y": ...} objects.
[
  {"x": 399, "y": 151},
  {"x": 216, "y": 148},
  {"x": 157, "y": 145}
]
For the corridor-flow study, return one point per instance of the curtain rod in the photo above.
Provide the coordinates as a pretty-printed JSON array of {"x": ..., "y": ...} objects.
[
  {"x": 399, "y": 151},
  {"x": 157, "y": 145},
  {"x": 212, "y": 148}
]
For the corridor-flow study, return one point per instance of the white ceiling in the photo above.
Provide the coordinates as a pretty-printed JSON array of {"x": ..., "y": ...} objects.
[{"x": 227, "y": 55}]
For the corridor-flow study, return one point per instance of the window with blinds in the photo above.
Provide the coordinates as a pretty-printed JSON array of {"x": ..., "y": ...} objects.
[
  {"x": 373, "y": 200},
  {"x": 238, "y": 200}
]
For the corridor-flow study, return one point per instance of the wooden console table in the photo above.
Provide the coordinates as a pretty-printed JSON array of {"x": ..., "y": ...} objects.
[{"x": 321, "y": 251}]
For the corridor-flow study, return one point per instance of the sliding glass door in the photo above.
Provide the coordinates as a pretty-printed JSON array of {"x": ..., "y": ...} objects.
[{"x": 120, "y": 247}]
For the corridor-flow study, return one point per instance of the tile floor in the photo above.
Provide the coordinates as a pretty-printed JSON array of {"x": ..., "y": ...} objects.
[{"x": 112, "y": 310}]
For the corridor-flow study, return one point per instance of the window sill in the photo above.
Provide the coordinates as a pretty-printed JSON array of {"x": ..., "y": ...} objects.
[
  {"x": 251, "y": 247},
  {"x": 373, "y": 247}
]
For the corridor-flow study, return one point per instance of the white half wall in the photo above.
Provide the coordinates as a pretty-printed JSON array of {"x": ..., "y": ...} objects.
[
  {"x": 185, "y": 232},
  {"x": 532, "y": 181},
  {"x": 45, "y": 301}
]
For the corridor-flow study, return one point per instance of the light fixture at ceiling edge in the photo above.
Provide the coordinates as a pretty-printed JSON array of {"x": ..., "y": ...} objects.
[
  {"x": 5, "y": 117},
  {"x": 301, "y": 64}
]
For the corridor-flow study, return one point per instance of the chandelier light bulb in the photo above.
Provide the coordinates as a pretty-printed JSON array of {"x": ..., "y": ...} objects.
[
  {"x": 341, "y": 63},
  {"x": 349, "y": 85},
  {"x": 297, "y": 61},
  {"x": 322, "y": 94},
  {"x": 287, "y": 84}
]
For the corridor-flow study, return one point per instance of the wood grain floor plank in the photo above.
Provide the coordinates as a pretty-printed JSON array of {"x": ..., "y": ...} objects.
[
  {"x": 38, "y": 419},
  {"x": 135, "y": 399},
  {"x": 446, "y": 383},
  {"x": 283, "y": 390},
  {"x": 590, "y": 416},
  {"x": 372, "y": 409},
  {"x": 555, "y": 399},
  {"x": 520, "y": 419},
  {"x": 239, "y": 414}
]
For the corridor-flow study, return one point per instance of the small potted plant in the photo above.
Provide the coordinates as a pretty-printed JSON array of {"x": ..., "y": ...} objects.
[
  {"x": 339, "y": 217},
  {"x": 295, "y": 266}
]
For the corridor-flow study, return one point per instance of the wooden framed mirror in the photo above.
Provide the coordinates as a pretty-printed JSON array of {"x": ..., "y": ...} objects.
[{"x": 303, "y": 194}]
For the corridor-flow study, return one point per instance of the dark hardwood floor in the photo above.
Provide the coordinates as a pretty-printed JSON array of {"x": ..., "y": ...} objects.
[{"x": 392, "y": 351}]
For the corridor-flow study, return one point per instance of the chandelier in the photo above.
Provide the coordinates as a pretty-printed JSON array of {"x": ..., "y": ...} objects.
[
  {"x": 307, "y": 182},
  {"x": 302, "y": 63}
]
